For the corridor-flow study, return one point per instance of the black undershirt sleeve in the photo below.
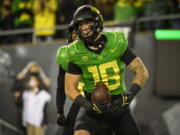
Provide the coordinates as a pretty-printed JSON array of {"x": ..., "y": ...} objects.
[
  {"x": 74, "y": 69},
  {"x": 60, "y": 93},
  {"x": 128, "y": 56}
]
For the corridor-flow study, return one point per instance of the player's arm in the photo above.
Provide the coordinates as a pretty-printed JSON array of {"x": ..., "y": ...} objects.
[
  {"x": 60, "y": 93},
  {"x": 141, "y": 75},
  {"x": 141, "y": 72},
  {"x": 60, "y": 97},
  {"x": 72, "y": 78},
  {"x": 135, "y": 64},
  {"x": 71, "y": 83}
]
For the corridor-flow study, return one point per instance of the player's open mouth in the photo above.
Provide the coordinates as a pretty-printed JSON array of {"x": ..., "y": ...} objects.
[{"x": 87, "y": 32}]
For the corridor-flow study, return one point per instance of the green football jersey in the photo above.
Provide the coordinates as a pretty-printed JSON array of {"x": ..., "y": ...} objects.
[
  {"x": 106, "y": 66},
  {"x": 62, "y": 60},
  {"x": 62, "y": 57}
]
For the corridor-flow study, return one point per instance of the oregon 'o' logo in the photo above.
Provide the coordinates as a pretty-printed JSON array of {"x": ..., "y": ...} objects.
[
  {"x": 84, "y": 58},
  {"x": 100, "y": 57}
]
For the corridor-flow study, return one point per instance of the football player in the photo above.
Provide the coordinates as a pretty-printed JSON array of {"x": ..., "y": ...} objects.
[
  {"x": 68, "y": 121},
  {"x": 101, "y": 57}
]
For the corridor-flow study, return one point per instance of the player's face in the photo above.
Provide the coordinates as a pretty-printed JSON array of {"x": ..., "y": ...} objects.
[{"x": 86, "y": 28}]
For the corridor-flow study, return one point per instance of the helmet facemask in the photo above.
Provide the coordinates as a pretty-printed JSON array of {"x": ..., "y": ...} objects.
[
  {"x": 89, "y": 14},
  {"x": 89, "y": 32}
]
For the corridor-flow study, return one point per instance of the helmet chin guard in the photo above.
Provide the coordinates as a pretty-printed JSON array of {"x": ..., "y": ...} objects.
[{"x": 91, "y": 38}]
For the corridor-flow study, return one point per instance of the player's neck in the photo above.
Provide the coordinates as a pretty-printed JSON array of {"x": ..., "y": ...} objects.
[
  {"x": 95, "y": 47},
  {"x": 98, "y": 44}
]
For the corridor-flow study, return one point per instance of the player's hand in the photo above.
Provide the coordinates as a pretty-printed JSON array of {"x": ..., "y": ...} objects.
[
  {"x": 61, "y": 120},
  {"x": 97, "y": 107},
  {"x": 100, "y": 107},
  {"x": 122, "y": 103}
]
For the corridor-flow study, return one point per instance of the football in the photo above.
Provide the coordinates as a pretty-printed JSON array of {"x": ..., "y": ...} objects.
[{"x": 100, "y": 93}]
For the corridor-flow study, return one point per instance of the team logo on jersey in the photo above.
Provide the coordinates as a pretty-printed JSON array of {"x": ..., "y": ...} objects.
[
  {"x": 85, "y": 58},
  {"x": 114, "y": 49},
  {"x": 100, "y": 57}
]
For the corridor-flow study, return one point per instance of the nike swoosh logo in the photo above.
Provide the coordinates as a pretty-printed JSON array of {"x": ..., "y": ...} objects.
[{"x": 112, "y": 50}]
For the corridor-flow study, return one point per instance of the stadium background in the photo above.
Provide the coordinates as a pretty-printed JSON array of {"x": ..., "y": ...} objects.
[{"x": 157, "y": 106}]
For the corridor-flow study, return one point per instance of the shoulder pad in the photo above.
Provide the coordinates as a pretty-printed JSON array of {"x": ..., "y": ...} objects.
[{"x": 61, "y": 54}]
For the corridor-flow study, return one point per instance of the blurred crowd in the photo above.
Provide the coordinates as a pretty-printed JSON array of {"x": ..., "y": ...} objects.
[
  {"x": 29, "y": 94},
  {"x": 31, "y": 97},
  {"x": 44, "y": 15}
]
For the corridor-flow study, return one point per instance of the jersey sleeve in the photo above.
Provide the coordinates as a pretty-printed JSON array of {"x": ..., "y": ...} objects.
[
  {"x": 61, "y": 57},
  {"x": 75, "y": 52},
  {"x": 116, "y": 43},
  {"x": 123, "y": 43}
]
